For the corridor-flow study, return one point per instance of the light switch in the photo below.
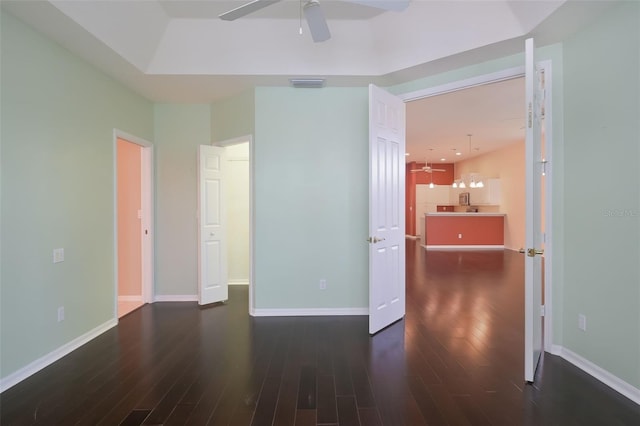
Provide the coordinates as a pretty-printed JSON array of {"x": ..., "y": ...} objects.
[{"x": 58, "y": 255}]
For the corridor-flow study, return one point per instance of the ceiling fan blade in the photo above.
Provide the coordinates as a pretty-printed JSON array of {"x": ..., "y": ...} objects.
[
  {"x": 246, "y": 9},
  {"x": 316, "y": 21},
  {"x": 395, "y": 5}
]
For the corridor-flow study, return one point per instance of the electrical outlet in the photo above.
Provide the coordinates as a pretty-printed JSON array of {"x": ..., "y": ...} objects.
[
  {"x": 61, "y": 313},
  {"x": 582, "y": 322},
  {"x": 58, "y": 255},
  {"x": 323, "y": 284},
  {"x": 460, "y": 236}
]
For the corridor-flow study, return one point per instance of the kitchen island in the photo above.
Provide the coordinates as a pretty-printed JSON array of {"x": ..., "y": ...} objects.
[{"x": 453, "y": 230}]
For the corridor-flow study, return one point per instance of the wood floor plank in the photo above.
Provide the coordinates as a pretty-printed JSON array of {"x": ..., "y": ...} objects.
[
  {"x": 326, "y": 400},
  {"x": 347, "y": 411}
]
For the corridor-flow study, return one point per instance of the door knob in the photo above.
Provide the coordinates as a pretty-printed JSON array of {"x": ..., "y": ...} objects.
[
  {"x": 531, "y": 252},
  {"x": 375, "y": 240}
]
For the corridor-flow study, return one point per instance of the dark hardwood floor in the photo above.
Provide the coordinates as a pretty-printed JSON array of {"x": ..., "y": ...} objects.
[{"x": 456, "y": 359}]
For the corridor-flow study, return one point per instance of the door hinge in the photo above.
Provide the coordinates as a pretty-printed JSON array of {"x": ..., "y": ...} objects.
[{"x": 541, "y": 310}]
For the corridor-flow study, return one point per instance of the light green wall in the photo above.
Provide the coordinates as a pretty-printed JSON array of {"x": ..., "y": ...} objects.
[
  {"x": 179, "y": 130},
  {"x": 311, "y": 197},
  {"x": 602, "y": 169},
  {"x": 233, "y": 117},
  {"x": 58, "y": 116}
]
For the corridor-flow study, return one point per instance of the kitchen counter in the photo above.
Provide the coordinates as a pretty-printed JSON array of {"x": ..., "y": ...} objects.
[
  {"x": 463, "y": 214},
  {"x": 464, "y": 230}
]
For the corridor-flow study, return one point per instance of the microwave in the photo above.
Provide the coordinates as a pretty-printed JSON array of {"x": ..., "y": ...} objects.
[{"x": 463, "y": 199}]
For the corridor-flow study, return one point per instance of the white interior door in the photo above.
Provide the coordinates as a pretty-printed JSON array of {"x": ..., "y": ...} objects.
[
  {"x": 386, "y": 209},
  {"x": 212, "y": 233},
  {"x": 533, "y": 235}
]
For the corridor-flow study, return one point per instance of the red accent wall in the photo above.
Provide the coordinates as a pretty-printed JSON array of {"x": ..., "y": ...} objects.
[
  {"x": 439, "y": 178},
  {"x": 475, "y": 230},
  {"x": 412, "y": 179}
]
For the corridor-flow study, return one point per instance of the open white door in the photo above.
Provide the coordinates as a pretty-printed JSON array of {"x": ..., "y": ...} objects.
[
  {"x": 212, "y": 233},
  {"x": 533, "y": 235},
  {"x": 386, "y": 209}
]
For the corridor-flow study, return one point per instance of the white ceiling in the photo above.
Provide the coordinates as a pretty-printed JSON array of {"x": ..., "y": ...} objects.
[
  {"x": 438, "y": 126},
  {"x": 179, "y": 51}
]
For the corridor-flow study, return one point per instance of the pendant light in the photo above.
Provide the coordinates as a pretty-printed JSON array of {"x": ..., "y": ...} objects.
[{"x": 431, "y": 185}]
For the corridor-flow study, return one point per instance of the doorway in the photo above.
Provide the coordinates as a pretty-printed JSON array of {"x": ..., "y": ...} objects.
[
  {"x": 239, "y": 202},
  {"x": 509, "y": 75},
  {"x": 133, "y": 222}
]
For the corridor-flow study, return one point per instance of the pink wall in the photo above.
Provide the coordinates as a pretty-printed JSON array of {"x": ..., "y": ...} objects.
[
  {"x": 507, "y": 164},
  {"x": 129, "y": 226}
]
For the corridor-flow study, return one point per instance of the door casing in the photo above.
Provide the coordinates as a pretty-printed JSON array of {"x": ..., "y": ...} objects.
[{"x": 235, "y": 141}]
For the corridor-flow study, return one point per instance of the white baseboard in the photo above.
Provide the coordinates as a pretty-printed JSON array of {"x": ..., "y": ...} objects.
[
  {"x": 555, "y": 350},
  {"x": 239, "y": 282},
  {"x": 136, "y": 298},
  {"x": 175, "y": 298},
  {"x": 601, "y": 374},
  {"x": 48, "y": 359},
  {"x": 464, "y": 247},
  {"x": 311, "y": 312}
]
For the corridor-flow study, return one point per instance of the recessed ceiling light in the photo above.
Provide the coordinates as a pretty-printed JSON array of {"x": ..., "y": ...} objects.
[
  {"x": 406, "y": 154},
  {"x": 458, "y": 153},
  {"x": 443, "y": 159}
]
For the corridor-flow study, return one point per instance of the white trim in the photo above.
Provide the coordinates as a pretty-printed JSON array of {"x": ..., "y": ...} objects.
[
  {"x": 48, "y": 359},
  {"x": 238, "y": 282},
  {"x": 148, "y": 255},
  {"x": 548, "y": 205},
  {"x": 601, "y": 374},
  {"x": 554, "y": 349},
  {"x": 412, "y": 237},
  {"x": 311, "y": 312},
  {"x": 130, "y": 298},
  {"x": 468, "y": 83},
  {"x": 252, "y": 157},
  {"x": 463, "y": 247},
  {"x": 175, "y": 298}
]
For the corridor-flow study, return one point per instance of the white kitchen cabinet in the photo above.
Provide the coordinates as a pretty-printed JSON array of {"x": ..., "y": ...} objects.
[{"x": 489, "y": 195}]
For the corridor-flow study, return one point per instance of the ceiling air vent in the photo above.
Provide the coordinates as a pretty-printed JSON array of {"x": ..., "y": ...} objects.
[{"x": 307, "y": 83}]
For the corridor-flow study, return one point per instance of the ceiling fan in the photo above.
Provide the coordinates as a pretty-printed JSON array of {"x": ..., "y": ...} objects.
[
  {"x": 313, "y": 13},
  {"x": 428, "y": 169}
]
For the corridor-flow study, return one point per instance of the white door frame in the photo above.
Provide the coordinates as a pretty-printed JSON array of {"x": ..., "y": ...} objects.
[
  {"x": 508, "y": 74},
  {"x": 236, "y": 141},
  {"x": 147, "y": 207}
]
